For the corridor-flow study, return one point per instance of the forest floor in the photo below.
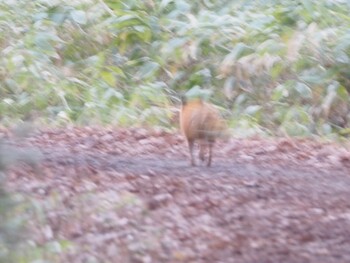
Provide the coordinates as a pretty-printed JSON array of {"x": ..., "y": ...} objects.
[{"x": 130, "y": 195}]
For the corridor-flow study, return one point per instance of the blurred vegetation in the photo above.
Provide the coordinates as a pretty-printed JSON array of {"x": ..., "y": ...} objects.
[
  {"x": 276, "y": 66},
  {"x": 13, "y": 210}
]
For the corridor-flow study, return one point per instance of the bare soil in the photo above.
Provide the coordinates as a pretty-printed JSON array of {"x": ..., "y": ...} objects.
[{"x": 130, "y": 195}]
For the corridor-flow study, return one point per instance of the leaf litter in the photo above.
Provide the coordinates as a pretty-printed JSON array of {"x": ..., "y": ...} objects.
[{"x": 130, "y": 195}]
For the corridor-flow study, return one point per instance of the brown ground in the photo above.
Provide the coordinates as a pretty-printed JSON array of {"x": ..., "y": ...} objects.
[{"x": 131, "y": 196}]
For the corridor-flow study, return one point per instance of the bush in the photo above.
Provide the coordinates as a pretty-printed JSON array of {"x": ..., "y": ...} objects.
[{"x": 277, "y": 66}]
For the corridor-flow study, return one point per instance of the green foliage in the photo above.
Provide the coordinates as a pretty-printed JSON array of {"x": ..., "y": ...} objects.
[
  {"x": 9, "y": 228},
  {"x": 282, "y": 66},
  {"x": 13, "y": 209}
]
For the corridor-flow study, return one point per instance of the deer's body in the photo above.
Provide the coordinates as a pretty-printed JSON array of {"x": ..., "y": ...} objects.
[{"x": 201, "y": 121}]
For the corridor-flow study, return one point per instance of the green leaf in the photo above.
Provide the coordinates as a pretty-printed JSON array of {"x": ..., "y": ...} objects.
[
  {"x": 252, "y": 109},
  {"x": 108, "y": 77},
  {"x": 79, "y": 16},
  {"x": 182, "y": 6},
  {"x": 117, "y": 70},
  {"x": 261, "y": 21},
  {"x": 303, "y": 90},
  {"x": 176, "y": 42},
  {"x": 112, "y": 93},
  {"x": 279, "y": 92},
  {"x": 240, "y": 50},
  {"x": 143, "y": 33},
  {"x": 296, "y": 129},
  {"x": 312, "y": 77},
  {"x": 198, "y": 92},
  {"x": 164, "y": 3},
  {"x": 342, "y": 92},
  {"x": 58, "y": 18},
  {"x": 229, "y": 85},
  {"x": 58, "y": 14},
  {"x": 276, "y": 70},
  {"x": 308, "y": 5},
  {"x": 11, "y": 84},
  {"x": 40, "y": 16},
  {"x": 128, "y": 20},
  {"x": 342, "y": 57},
  {"x": 205, "y": 73},
  {"x": 46, "y": 41},
  {"x": 148, "y": 69},
  {"x": 271, "y": 46}
]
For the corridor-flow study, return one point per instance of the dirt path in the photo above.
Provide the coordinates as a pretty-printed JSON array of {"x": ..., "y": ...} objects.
[{"x": 131, "y": 196}]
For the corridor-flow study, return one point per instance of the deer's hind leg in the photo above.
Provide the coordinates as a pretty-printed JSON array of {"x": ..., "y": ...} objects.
[
  {"x": 190, "y": 147},
  {"x": 210, "y": 145},
  {"x": 202, "y": 148}
]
